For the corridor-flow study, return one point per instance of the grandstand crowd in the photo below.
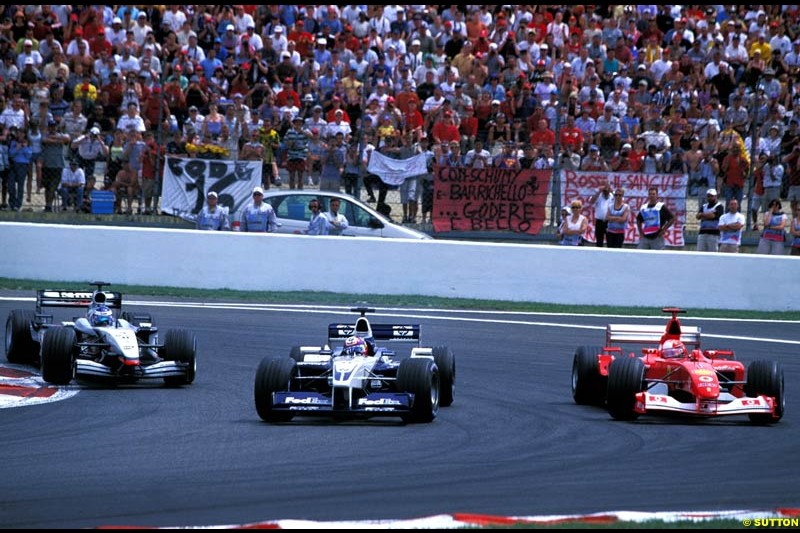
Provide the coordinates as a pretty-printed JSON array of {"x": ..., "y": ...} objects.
[{"x": 709, "y": 91}]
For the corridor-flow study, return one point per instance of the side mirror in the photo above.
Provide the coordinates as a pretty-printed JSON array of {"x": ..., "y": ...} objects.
[{"x": 374, "y": 223}]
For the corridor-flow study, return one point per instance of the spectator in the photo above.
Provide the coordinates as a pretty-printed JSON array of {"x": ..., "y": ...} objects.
[
  {"x": 337, "y": 222},
  {"x": 478, "y": 157},
  {"x": 709, "y": 216},
  {"x": 72, "y": 185},
  {"x": 575, "y": 225},
  {"x": 296, "y": 145},
  {"x": 53, "y": 143},
  {"x": 258, "y": 216},
  {"x": 730, "y": 227},
  {"x": 653, "y": 221},
  {"x": 774, "y": 234},
  {"x": 734, "y": 168},
  {"x": 333, "y": 162},
  {"x": 794, "y": 231},
  {"x": 593, "y": 161},
  {"x": 618, "y": 217},
  {"x": 318, "y": 223},
  {"x": 213, "y": 217},
  {"x": 602, "y": 201},
  {"x": 90, "y": 149}
]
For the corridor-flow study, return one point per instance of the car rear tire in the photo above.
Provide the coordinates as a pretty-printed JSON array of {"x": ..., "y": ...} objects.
[
  {"x": 588, "y": 386},
  {"x": 765, "y": 377},
  {"x": 58, "y": 361},
  {"x": 273, "y": 375},
  {"x": 625, "y": 381},
  {"x": 445, "y": 359},
  {"x": 20, "y": 346},
  {"x": 180, "y": 345},
  {"x": 420, "y": 377}
]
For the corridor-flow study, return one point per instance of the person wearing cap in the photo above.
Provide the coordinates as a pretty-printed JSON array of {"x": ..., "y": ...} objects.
[
  {"x": 53, "y": 162},
  {"x": 709, "y": 214},
  {"x": 30, "y": 56},
  {"x": 258, "y": 216},
  {"x": 602, "y": 200},
  {"x": 593, "y": 162},
  {"x": 90, "y": 148},
  {"x": 287, "y": 96},
  {"x": 653, "y": 221},
  {"x": 213, "y": 217},
  {"x": 295, "y": 142}
]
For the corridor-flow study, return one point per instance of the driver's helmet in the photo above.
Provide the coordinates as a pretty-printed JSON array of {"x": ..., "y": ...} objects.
[
  {"x": 673, "y": 349},
  {"x": 355, "y": 346},
  {"x": 101, "y": 316}
]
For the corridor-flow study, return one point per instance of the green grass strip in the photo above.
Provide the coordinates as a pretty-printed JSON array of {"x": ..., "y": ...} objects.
[{"x": 425, "y": 302}]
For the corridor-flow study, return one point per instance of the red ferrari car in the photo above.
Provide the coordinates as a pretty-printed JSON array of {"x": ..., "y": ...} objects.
[{"x": 675, "y": 376}]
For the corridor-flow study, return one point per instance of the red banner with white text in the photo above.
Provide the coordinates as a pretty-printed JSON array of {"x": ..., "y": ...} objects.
[
  {"x": 490, "y": 199},
  {"x": 671, "y": 190}
]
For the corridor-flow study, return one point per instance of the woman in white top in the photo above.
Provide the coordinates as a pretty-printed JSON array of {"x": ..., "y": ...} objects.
[{"x": 574, "y": 225}]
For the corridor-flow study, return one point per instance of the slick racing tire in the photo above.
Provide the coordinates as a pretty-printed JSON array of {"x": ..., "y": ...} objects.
[
  {"x": 296, "y": 353},
  {"x": 588, "y": 386},
  {"x": 180, "y": 345},
  {"x": 625, "y": 381},
  {"x": 20, "y": 346},
  {"x": 273, "y": 375},
  {"x": 58, "y": 361},
  {"x": 446, "y": 361},
  {"x": 765, "y": 377},
  {"x": 420, "y": 377}
]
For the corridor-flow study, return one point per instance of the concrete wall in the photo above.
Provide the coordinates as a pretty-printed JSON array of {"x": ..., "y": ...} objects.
[{"x": 516, "y": 272}]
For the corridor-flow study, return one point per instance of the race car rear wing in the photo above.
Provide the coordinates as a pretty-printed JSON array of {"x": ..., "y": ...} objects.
[
  {"x": 379, "y": 332},
  {"x": 68, "y": 298},
  {"x": 642, "y": 334}
]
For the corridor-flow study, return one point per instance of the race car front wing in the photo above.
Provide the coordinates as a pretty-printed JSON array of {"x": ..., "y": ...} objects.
[
  {"x": 314, "y": 403},
  {"x": 647, "y": 402},
  {"x": 161, "y": 369}
]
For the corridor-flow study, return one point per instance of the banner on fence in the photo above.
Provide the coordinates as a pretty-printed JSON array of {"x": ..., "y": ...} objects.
[
  {"x": 395, "y": 171},
  {"x": 490, "y": 199},
  {"x": 187, "y": 181},
  {"x": 671, "y": 190}
]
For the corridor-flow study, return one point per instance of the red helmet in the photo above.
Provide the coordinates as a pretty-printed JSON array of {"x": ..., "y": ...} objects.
[{"x": 673, "y": 349}]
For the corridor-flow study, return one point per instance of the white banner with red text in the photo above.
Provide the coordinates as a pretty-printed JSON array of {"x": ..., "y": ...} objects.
[{"x": 579, "y": 185}]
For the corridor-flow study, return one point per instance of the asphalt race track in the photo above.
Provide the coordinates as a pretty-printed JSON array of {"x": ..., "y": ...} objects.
[{"x": 513, "y": 443}]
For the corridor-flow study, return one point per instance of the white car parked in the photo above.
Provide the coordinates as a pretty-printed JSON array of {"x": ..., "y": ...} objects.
[{"x": 291, "y": 209}]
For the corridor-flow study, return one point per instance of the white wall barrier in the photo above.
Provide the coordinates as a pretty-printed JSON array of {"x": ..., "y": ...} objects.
[{"x": 515, "y": 272}]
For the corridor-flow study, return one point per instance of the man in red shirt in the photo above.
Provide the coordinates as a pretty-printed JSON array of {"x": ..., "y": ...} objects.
[
  {"x": 469, "y": 125},
  {"x": 543, "y": 137},
  {"x": 571, "y": 135},
  {"x": 445, "y": 130},
  {"x": 734, "y": 168},
  {"x": 287, "y": 95},
  {"x": 413, "y": 121}
]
